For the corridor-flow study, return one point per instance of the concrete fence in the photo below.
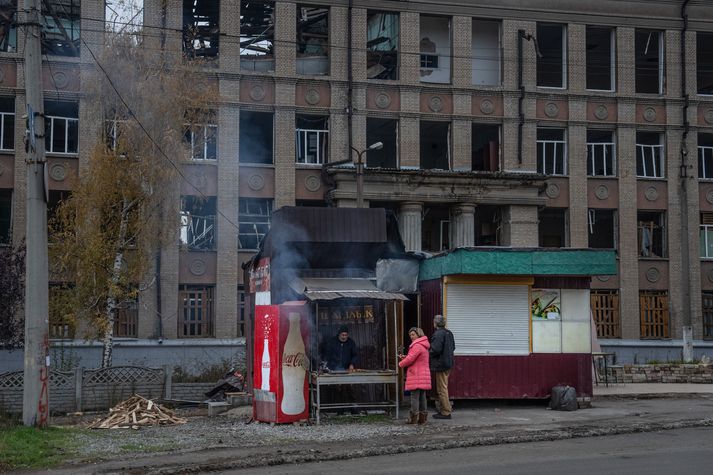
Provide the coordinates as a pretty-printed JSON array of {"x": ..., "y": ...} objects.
[
  {"x": 99, "y": 389},
  {"x": 664, "y": 373}
]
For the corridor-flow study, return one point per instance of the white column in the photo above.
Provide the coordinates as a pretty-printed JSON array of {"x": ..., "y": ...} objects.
[
  {"x": 410, "y": 225},
  {"x": 463, "y": 217}
]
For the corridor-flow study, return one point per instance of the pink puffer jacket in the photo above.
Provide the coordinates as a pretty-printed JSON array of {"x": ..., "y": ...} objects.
[{"x": 418, "y": 374}]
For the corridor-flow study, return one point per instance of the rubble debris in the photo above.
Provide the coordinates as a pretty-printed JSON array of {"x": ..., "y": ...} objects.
[
  {"x": 135, "y": 412},
  {"x": 232, "y": 382}
]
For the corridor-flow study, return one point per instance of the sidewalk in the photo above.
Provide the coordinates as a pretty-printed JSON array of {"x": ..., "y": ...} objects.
[{"x": 617, "y": 409}]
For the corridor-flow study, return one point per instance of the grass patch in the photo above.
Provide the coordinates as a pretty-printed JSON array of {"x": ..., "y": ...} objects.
[{"x": 27, "y": 447}]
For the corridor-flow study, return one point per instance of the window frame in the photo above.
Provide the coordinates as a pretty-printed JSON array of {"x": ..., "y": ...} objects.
[
  {"x": 564, "y": 63},
  {"x": 204, "y": 327},
  {"x": 698, "y": 54},
  {"x": 661, "y": 63},
  {"x": 605, "y": 305},
  {"x": 262, "y": 219},
  {"x": 640, "y": 153},
  {"x": 50, "y": 140},
  {"x": 542, "y": 147},
  {"x": 662, "y": 225},
  {"x": 189, "y": 203},
  {"x": 591, "y": 157},
  {"x": 702, "y": 149},
  {"x": 3, "y": 116},
  {"x": 192, "y": 130},
  {"x": 661, "y": 329},
  {"x": 302, "y": 142},
  {"x": 126, "y": 324},
  {"x": 612, "y": 58}
]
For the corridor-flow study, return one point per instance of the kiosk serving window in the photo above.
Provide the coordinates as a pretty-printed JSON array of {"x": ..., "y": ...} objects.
[{"x": 489, "y": 319}]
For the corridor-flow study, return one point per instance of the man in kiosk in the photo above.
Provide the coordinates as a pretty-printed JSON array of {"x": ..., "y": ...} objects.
[{"x": 340, "y": 351}]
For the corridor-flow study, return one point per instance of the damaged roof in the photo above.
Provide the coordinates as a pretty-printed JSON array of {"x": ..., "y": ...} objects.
[{"x": 331, "y": 289}]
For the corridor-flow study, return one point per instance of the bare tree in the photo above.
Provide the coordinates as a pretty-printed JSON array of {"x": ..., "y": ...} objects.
[
  {"x": 106, "y": 231},
  {"x": 12, "y": 294}
]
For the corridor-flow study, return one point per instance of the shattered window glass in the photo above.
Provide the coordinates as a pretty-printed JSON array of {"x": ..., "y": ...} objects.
[
  {"x": 257, "y": 33},
  {"x": 198, "y": 222},
  {"x": 201, "y": 28},
  {"x": 382, "y": 45},
  {"x": 254, "y": 216},
  {"x": 312, "y": 40},
  {"x": 124, "y": 16},
  {"x": 60, "y": 28},
  {"x": 8, "y": 32}
]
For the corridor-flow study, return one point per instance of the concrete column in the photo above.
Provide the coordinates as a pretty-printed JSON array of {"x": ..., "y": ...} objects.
[
  {"x": 410, "y": 153},
  {"x": 461, "y": 148},
  {"x": 229, "y": 50},
  {"x": 576, "y": 52},
  {"x": 520, "y": 226},
  {"x": 338, "y": 35},
  {"x": 578, "y": 206},
  {"x": 227, "y": 270},
  {"x": 409, "y": 59},
  {"x": 628, "y": 242},
  {"x": 284, "y": 158},
  {"x": 625, "y": 61},
  {"x": 285, "y": 37},
  {"x": 462, "y": 48},
  {"x": 463, "y": 229},
  {"x": 410, "y": 225}
]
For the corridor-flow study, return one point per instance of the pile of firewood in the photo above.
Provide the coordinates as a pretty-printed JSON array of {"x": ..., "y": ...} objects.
[{"x": 135, "y": 412}]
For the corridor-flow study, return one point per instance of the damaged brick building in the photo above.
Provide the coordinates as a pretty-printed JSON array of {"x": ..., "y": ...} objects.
[{"x": 555, "y": 124}]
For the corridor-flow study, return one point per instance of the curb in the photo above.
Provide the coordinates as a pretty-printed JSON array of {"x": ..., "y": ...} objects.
[
  {"x": 653, "y": 396},
  {"x": 510, "y": 437}
]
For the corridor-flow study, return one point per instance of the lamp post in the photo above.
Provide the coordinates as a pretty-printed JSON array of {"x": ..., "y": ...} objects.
[{"x": 360, "y": 171}]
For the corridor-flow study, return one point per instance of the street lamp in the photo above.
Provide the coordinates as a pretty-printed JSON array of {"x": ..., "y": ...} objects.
[{"x": 360, "y": 171}]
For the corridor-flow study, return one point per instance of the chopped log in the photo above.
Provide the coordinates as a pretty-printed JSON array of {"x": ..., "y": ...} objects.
[{"x": 136, "y": 412}]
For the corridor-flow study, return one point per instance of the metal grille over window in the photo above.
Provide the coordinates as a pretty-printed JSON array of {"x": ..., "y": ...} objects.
[
  {"x": 198, "y": 222},
  {"x": 605, "y": 310},
  {"x": 601, "y": 153},
  {"x": 654, "y": 314},
  {"x": 649, "y": 155},
  {"x": 195, "y": 311},
  {"x": 253, "y": 221},
  {"x": 127, "y": 319},
  {"x": 61, "y": 127},
  {"x": 551, "y": 152}
]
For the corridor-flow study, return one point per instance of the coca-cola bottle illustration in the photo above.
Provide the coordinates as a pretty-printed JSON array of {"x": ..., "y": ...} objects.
[
  {"x": 266, "y": 364},
  {"x": 293, "y": 369}
]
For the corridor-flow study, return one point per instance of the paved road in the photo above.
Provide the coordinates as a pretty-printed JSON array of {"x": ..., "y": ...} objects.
[{"x": 665, "y": 452}]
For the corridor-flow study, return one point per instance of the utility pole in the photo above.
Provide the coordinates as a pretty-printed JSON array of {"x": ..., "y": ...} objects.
[{"x": 35, "y": 400}]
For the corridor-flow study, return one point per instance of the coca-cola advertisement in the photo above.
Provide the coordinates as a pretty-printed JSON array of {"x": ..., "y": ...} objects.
[{"x": 281, "y": 390}]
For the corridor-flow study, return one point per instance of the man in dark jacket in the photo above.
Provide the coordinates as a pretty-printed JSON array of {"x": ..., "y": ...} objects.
[
  {"x": 441, "y": 358},
  {"x": 340, "y": 351}
]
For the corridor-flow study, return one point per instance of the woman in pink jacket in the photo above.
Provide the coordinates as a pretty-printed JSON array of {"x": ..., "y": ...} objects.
[{"x": 418, "y": 374}]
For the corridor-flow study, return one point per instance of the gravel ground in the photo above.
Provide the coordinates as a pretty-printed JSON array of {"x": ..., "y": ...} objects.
[{"x": 232, "y": 429}]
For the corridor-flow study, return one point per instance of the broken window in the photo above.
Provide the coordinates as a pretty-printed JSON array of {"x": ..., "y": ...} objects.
[
  {"x": 436, "y": 226},
  {"x": 312, "y": 139},
  {"x": 61, "y": 127},
  {"x": 705, "y": 156},
  {"x": 195, "y": 311},
  {"x": 654, "y": 314},
  {"x": 257, "y": 34},
  {"x": 602, "y": 228},
  {"x": 552, "y": 42},
  {"x": 124, "y": 16},
  {"x": 127, "y": 319},
  {"x": 551, "y": 152},
  {"x": 60, "y": 28},
  {"x": 198, "y": 222},
  {"x": 488, "y": 221},
  {"x": 382, "y": 45},
  {"x": 553, "y": 227},
  {"x": 385, "y": 131},
  {"x": 601, "y": 153},
  {"x": 435, "y": 145},
  {"x": 600, "y": 58},
  {"x": 202, "y": 140},
  {"x": 312, "y": 40},
  {"x": 8, "y": 31},
  {"x": 256, "y": 142},
  {"x": 649, "y": 155},
  {"x": 5, "y": 216},
  {"x": 487, "y": 53},
  {"x": 485, "y": 147},
  {"x": 706, "y": 235},
  {"x": 605, "y": 312},
  {"x": 707, "y": 315},
  {"x": 651, "y": 233},
  {"x": 201, "y": 28},
  {"x": 649, "y": 61},
  {"x": 704, "y": 62},
  {"x": 435, "y": 48},
  {"x": 7, "y": 123},
  {"x": 254, "y": 216}
]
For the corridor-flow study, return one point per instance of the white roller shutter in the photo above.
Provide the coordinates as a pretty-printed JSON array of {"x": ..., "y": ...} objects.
[{"x": 489, "y": 319}]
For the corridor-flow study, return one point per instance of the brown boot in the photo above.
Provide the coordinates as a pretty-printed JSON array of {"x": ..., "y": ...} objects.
[
  {"x": 412, "y": 418},
  {"x": 422, "y": 417}
]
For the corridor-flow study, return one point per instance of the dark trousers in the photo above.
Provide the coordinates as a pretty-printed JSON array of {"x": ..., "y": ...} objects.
[{"x": 418, "y": 400}]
